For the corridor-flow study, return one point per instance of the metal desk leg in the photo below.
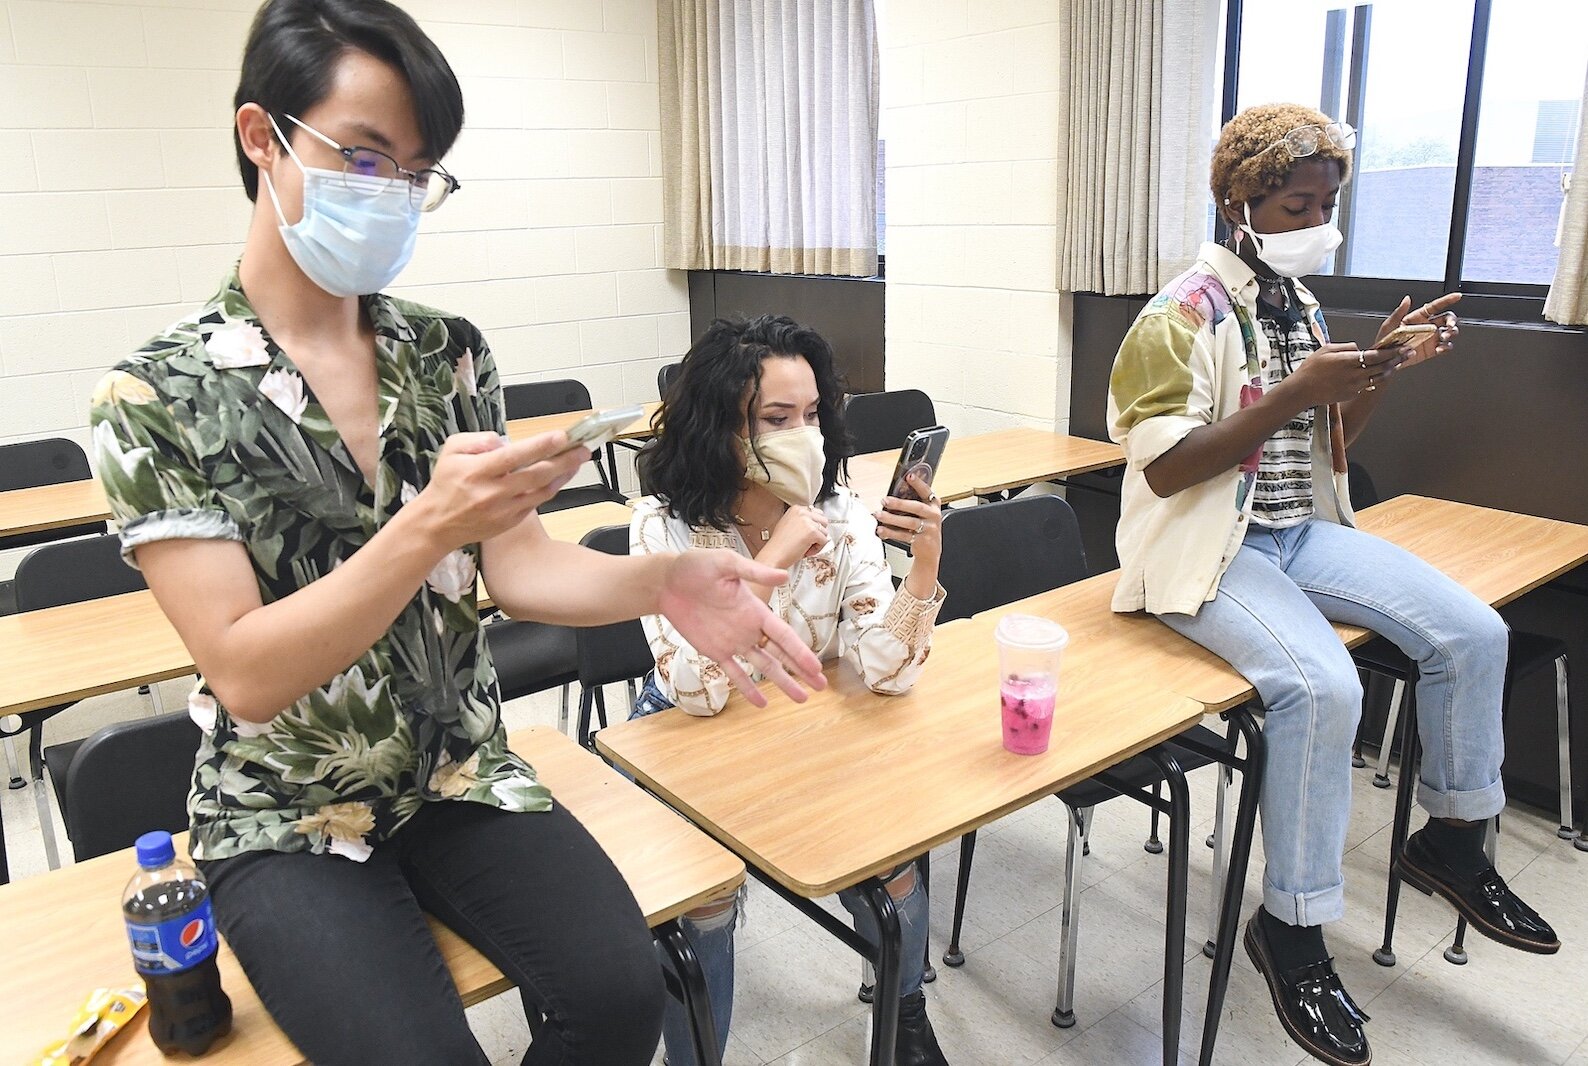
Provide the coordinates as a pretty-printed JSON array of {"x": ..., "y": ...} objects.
[
  {"x": 1251, "y": 768},
  {"x": 1174, "y": 916},
  {"x": 885, "y": 1005},
  {"x": 1411, "y": 753},
  {"x": 691, "y": 991}
]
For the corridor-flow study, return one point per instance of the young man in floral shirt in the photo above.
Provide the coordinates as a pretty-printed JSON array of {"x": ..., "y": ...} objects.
[{"x": 311, "y": 476}]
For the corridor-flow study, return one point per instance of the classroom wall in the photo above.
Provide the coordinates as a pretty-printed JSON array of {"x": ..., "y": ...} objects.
[
  {"x": 970, "y": 116},
  {"x": 121, "y": 209}
]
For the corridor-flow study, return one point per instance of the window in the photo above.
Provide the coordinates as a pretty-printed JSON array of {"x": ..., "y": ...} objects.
[
  {"x": 1527, "y": 136},
  {"x": 1467, "y": 119}
]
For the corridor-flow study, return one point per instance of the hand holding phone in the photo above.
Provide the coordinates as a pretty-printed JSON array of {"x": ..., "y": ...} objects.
[
  {"x": 601, "y": 427},
  {"x": 921, "y": 455},
  {"x": 1404, "y": 336}
]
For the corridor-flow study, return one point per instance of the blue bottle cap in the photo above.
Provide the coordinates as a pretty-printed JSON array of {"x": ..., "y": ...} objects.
[{"x": 155, "y": 849}]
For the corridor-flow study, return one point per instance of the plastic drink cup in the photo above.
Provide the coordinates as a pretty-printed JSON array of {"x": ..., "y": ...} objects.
[{"x": 1029, "y": 649}]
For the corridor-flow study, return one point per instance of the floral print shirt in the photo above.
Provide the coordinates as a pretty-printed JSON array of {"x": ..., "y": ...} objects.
[
  {"x": 841, "y": 600},
  {"x": 210, "y": 432}
]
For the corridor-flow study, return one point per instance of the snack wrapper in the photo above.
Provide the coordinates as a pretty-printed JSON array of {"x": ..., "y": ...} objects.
[{"x": 107, "y": 1011}]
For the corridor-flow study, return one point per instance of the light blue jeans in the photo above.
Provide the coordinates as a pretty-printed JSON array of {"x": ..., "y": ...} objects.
[
  {"x": 1270, "y": 620},
  {"x": 712, "y": 939}
]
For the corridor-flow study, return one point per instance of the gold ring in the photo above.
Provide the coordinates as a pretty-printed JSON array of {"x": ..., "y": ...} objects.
[
  {"x": 764, "y": 641},
  {"x": 920, "y": 527}
]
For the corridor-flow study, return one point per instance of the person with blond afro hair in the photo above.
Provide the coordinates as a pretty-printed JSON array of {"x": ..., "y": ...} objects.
[{"x": 1234, "y": 410}]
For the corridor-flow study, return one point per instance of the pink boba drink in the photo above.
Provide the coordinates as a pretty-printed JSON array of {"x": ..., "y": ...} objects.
[
  {"x": 1028, "y": 656},
  {"x": 1028, "y": 713}
]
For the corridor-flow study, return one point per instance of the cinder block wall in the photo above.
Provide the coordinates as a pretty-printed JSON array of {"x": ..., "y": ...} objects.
[
  {"x": 970, "y": 99},
  {"x": 121, "y": 208}
]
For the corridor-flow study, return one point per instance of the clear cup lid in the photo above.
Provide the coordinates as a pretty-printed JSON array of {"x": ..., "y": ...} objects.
[{"x": 1029, "y": 632}]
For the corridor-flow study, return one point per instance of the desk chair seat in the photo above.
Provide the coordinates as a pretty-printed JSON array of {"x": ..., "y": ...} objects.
[
  {"x": 1042, "y": 534},
  {"x": 532, "y": 657},
  {"x": 34, "y": 464},
  {"x": 52, "y": 576},
  {"x": 125, "y": 779},
  {"x": 533, "y": 399},
  {"x": 1530, "y": 653},
  {"x": 608, "y": 654}
]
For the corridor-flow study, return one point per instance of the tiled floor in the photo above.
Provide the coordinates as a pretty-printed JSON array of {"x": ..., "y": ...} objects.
[{"x": 796, "y": 1001}]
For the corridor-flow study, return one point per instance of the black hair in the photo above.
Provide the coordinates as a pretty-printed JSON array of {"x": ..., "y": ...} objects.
[
  {"x": 695, "y": 466},
  {"x": 292, "y": 52}
]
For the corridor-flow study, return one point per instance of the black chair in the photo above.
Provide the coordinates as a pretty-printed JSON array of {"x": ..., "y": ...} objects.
[
  {"x": 554, "y": 398},
  {"x": 879, "y": 421},
  {"x": 665, "y": 376},
  {"x": 34, "y": 464},
  {"x": 126, "y": 779},
  {"x": 52, "y": 576},
  {"x": 994, "y": 554},
  {"x": 611, "y": 653},
  {"x": 1529, "y": 653},
  {"x": 532, "y": 657}
]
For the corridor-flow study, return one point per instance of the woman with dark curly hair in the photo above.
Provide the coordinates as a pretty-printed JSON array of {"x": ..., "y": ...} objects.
[
  {"x": 749, "y": 456},
  {"x": 1234, "y": 410}
]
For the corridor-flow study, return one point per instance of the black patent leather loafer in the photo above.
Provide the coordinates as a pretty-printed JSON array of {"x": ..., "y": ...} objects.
[
  {"x": 917, "y": 1044},
  {"x": 1484, "y": 899},
  {"x": 1312, "y": 1005}
]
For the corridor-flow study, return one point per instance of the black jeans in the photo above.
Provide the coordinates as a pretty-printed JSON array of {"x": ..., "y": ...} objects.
[{"x": 341, "y": 957}]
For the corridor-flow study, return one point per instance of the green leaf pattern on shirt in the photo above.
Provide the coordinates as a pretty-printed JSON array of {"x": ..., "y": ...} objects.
[{"x": 210, "y": 432}]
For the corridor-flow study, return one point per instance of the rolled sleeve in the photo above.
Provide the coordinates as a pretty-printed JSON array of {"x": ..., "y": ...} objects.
[{"x": 156, "y": 486}]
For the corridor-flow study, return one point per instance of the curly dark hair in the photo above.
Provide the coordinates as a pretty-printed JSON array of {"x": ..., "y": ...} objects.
[
  {"x": 695, "y": 466},
  {"x": 1246, "y": 168}
]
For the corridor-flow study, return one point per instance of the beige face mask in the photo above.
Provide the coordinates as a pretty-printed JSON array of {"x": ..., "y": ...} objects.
[{"x": 789, "y": 463}]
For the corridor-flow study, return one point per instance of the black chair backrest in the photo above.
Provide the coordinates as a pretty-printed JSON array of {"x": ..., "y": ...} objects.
[
  {"x": 997, "y": 553},
  {"x": 538, "y": 398},
  {"x": 618, "y": 652},
  {"x": 127, "y": 779},
  {"x": 41, "y": 462},
  {"x": 35, "y": 463},
  {"x": 1363, "y": 492},
  {"x": 74, "y": 571},
  {"x": 665, "y": 376},
  {"x": 879, "y": 421}
]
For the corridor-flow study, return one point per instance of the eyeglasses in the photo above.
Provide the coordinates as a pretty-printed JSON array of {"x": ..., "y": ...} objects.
[
  {"x": 428, "y": 189},
  {"x": 1304, "y": 140}
]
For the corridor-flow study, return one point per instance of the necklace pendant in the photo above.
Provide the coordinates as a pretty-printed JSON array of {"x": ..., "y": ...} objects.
[{"x": 766, "y": 535}]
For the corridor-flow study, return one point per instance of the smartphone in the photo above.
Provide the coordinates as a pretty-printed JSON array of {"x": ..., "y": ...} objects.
[
  {"x": 597, "y": 429},
  {"x": 1407, "y": 336},
  {"x": 921, "y": 455}
]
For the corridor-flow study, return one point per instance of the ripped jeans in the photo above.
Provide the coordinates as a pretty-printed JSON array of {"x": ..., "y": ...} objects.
[{"x": 712, "y": 937}]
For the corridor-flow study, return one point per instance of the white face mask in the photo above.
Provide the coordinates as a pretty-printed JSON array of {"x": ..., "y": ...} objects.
[
  {"x": 1297, "y": 253},
  {"x": 356, "y": 234},
  {"x": 789, "y": 463}
]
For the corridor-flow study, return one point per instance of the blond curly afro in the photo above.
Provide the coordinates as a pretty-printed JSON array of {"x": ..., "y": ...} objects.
[{"x": 1242, "y": 171}]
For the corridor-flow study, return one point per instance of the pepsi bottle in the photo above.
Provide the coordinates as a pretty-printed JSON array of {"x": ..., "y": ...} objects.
[{"x": 172, "y": 929}]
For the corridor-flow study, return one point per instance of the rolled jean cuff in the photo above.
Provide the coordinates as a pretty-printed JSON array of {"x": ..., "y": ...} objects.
[
  {"x": 1476, "y": 806},
  {"x": 1305, "y": 908}
]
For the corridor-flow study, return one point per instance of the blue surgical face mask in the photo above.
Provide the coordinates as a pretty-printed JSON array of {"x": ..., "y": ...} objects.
[{"x": 357, "y": 233}]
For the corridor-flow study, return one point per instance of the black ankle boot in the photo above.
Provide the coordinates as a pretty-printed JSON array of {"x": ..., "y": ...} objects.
[{"x": 917, "y": 1044}]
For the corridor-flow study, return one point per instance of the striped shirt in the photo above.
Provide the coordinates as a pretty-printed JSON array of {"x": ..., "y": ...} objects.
[{"x": 1282, "y": 495}]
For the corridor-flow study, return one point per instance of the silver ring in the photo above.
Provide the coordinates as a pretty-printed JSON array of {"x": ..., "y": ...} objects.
[
  {"x": 920, "y": 527},
  {"x": 1361, "y": 360},
  {"x": 1371, "y": 388}
]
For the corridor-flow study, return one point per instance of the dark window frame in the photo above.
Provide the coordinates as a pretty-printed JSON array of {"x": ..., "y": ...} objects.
[{"x": 1493, "y": 300}]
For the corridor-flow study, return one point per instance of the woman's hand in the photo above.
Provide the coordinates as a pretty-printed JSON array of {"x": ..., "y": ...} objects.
[
  {"x": 1337, "y": 373},
  {"x": 1437, "y": 312},
  {"x": 481, "y": 487},
  {"x": 914, "y": 523},
  {"x": 802, "y": 531},
  {"x": 708, "y": 598}
]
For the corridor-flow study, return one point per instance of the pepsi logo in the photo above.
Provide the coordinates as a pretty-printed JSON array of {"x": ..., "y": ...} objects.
[{"x": 192, "y": 932}]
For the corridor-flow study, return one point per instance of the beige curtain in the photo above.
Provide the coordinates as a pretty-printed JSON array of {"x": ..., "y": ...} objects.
[
  {"x": 1568, "y": 296},
  {"x": 769, "y": 135},
  {"x": 1135, "y": 132}
]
